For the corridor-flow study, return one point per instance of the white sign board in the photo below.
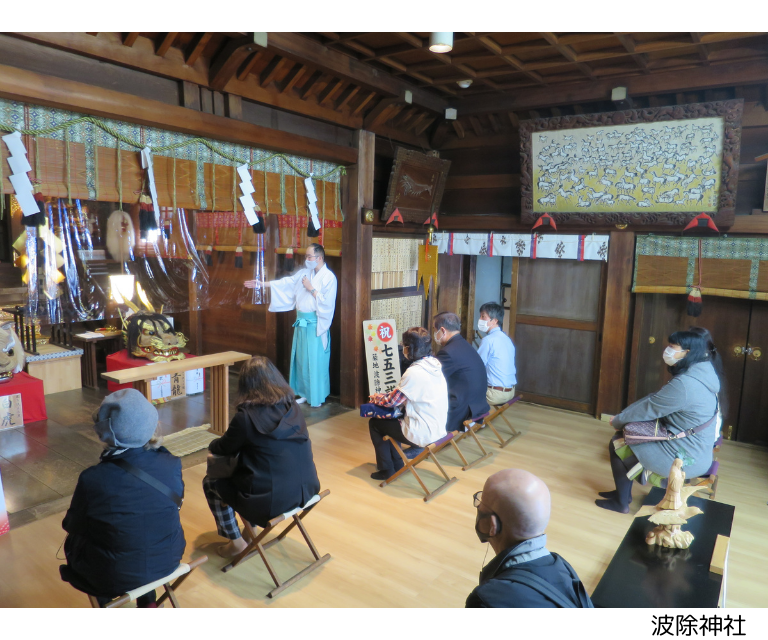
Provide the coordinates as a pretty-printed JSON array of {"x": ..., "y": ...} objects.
[
  {"x": 11, "y": 415},
  {"x": 381, "y": 355}
]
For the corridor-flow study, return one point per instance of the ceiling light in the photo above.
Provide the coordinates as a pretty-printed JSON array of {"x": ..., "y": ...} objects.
[
  {"x": 464, "y": 84},
  {"x": 441, "y": 42}
]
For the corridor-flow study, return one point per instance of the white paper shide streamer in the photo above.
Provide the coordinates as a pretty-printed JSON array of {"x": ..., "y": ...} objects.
[
  {"x": 312, "y": 202},
  {"x": 146, "y": 163},
  {"x": 247, "y": 189},
  {"x": 19, "y": 178}
]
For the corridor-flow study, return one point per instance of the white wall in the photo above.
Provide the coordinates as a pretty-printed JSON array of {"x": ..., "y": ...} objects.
[{"x": 487, "y": 284}]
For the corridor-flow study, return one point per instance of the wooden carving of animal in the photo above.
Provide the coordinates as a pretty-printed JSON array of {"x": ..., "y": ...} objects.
[{"x": 413, "y": 188}]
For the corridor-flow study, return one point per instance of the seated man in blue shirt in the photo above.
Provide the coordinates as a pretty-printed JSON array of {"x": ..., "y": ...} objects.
[{"x": 498, "y": 355}]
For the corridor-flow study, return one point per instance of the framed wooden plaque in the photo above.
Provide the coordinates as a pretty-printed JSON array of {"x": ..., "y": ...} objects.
[
  {"x": 416, "y": 185},
  {"x": 660, "y": 165}
]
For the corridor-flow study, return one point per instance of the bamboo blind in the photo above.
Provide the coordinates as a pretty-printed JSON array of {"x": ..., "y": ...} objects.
[
  {"x": 395, "y": 262},
  {"x": 407, "y": 312}
]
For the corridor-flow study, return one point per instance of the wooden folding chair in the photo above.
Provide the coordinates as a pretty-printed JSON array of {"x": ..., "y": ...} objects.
[
  {"x": 472, "y": 427},
  {"x": 430, "y": 451},
  {"x": 181, "y": 574},
  {"x": 257, "y": 546},
  {"x": 708, "y": 482},
  {"x": 498, "y": 411}
]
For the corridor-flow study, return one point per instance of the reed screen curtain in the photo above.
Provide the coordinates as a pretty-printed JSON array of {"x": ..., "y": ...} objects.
[
  {"x": 74, "y": 157},
  {"x": 730, "y": 267}
]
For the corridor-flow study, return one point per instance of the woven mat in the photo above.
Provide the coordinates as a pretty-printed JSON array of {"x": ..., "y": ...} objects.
[{"x": 190, "y": 440}]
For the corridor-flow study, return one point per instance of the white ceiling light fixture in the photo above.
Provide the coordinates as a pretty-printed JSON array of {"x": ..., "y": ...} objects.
[
  {"x": 464, "y": 84},
  {"x": 441, "y": 42}
]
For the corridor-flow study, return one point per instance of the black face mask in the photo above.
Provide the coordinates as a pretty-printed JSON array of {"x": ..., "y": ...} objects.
[{"x": 484, "y": 537}]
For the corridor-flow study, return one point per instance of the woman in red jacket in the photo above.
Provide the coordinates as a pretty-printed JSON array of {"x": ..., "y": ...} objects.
[{"x": 275, "y": 471}]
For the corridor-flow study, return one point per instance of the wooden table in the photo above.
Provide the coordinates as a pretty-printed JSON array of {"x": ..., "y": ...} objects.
[
  {"x": 218, "y": 363},
  {"x": 641, "y": 575},
  {"x": 88, "y": 364}
]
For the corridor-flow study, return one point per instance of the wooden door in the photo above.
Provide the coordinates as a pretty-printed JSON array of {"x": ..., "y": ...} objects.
[
  {"x": 752, "y": 425},
  {"x": 659, "y": 315},
  {"x": 557, "y": 316}
]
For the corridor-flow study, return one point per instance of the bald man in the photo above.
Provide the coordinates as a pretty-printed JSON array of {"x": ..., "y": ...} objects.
[{"x": 512, "y": 514}]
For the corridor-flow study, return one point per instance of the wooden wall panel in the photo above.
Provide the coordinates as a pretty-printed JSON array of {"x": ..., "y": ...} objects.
[
  {"x": 563, "y": 280},
  {"x": 573, "y": 351}
]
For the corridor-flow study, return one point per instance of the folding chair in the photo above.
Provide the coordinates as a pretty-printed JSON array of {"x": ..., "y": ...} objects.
[
  {"x": 257, "y": 546},
  {"x": 181, "y": 574},
  {"x": 499, "y": 411},
  {"x": 708, "y": 482},
  {"x": 472, "y": 427},
  {"x": 430, "y": 451}
]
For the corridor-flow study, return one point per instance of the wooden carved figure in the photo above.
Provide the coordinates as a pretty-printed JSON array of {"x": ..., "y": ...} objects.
[{"x": 672, "y": 512}]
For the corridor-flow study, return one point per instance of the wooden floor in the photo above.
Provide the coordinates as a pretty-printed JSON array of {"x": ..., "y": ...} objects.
[{"x": 390, "y": 549}]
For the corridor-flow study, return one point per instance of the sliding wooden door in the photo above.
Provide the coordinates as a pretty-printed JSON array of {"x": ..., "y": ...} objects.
[{"x": 556, "y": 318}]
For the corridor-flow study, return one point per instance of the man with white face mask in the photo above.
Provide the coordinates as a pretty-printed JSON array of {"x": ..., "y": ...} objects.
[
  {"x": 312, "y": 292},
  {"x": 498, "y": 354}
]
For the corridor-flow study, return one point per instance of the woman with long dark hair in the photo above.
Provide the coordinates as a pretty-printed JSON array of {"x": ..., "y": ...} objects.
[
  {"x": 687, "y": 401},
  {"x": 275, "y": 469}
]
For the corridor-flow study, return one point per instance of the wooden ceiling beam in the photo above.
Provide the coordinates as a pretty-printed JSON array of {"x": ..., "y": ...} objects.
[
  {"x": 702, "y": 49},
  {"x": 417, "y": 121},
  {"x": 490, "y": 44},
  {"x": 495, "y": 125},
  {"x": 513, "y": 119},
  {"x": 424, "y": 125},
  {"x": 28, "y": 86},
  {"x": 357, "y": 110},
  {"x": 196, "y": 47},
  {"x": 293, "y": 76},
  {"x": 708, "y": 38},
  {"x": 476, "y": 126},
  {"x": 568, "y": 53},
  {"x": 250, "y": 63},
  {"x": 130, "y": 38},
  {"x": 270, "y": 71},
  {"x": 629, "y": 44},
  {"x": 302, "y": 49},
  {"x": 330, "y": 91},
  {"x": 225, "y": 65},
  {"x": 713, "y": 76},
  {"x": 346, "y": 95},
  {"x": 390, "y": 51},
  {"x": 310, "y": 85},
  {"x": 458, "y": 129},
  {"x": 165, "y": 43},
  {"x": 381, "y": 113},
  {"x": 405, "y": 119}
]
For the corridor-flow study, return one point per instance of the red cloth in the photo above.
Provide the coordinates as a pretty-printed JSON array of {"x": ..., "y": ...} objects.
[
  {"x": 123, "y": 360},
  {"x": 32, "y": 395}
]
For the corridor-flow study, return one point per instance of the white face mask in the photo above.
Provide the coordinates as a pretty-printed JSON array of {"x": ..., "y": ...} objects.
[
  {"x": 310, "y": 264},
  {"x": 669, "y": 356},
  {"x": 482, "y": 325},
  {"x": 437, "y": 333}
]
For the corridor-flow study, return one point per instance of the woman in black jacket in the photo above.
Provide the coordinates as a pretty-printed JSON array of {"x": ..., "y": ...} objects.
[
  {"x": 275, "y": 471},
  {"x": 122, "y": 532}
]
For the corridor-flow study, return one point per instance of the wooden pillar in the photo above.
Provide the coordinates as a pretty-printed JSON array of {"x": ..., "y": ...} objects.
[
  {"x": 219, "y": 398},
  {"x": 355, "y": 281},
  {"x": 271, "y": 241},
  {"x": 614, "y": 354}
]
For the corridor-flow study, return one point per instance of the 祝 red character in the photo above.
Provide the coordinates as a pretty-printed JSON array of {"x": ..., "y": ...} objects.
[{"x": 385, "y": 332}]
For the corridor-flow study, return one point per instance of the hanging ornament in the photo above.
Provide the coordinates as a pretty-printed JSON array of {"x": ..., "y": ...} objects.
[
  {"x": 395, "y": 216},
  {"x": 702, "y": 220},
  {"x": 313, "y": 224},
  {"x": 427, "y": 266},
  {"x": 250, "y": 207},
  {"x": 545, "y": 220},
  {"x": 19, "y": 179}
]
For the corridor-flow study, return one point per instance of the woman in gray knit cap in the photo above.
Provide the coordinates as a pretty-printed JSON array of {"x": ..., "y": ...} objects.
[{"x": 124, "y": 533}]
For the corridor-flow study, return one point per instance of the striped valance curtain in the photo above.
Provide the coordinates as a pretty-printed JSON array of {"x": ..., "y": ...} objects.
[{"x": 730, "y": 267}]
